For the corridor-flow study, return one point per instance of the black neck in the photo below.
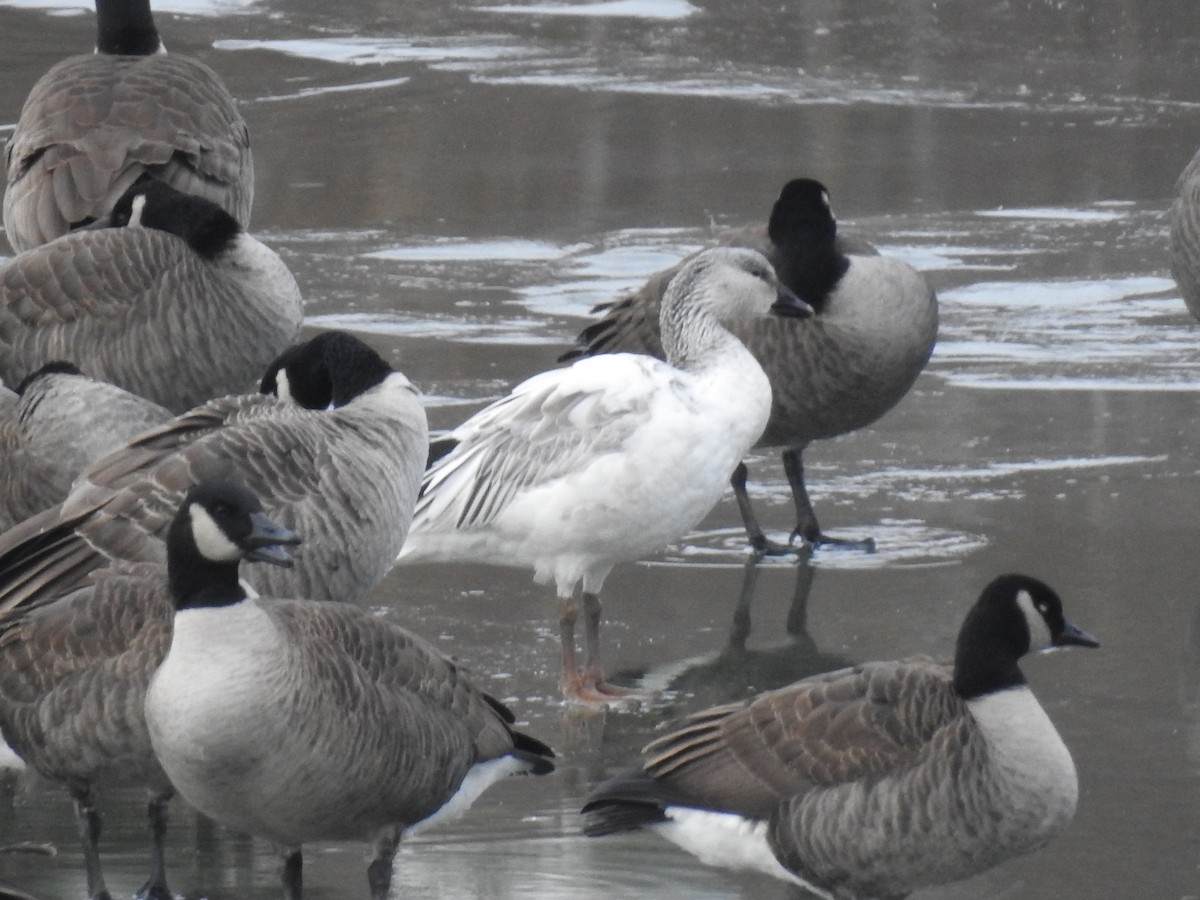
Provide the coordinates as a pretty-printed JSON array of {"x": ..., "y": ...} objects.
[
  {"x": 196, "y": 581},
  {"x": 990, "y": 644},
  {"x": 126, "y": 28}
]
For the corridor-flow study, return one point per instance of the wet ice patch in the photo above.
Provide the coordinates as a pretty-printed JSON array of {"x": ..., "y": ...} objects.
[
  {"x": 335, "y": 89},
  {"x": 636, "y": 9},
  {"x": 362, "y": 51},
  {"x": 1047, "y": 212},
  {"x": 456, "y": 250},
  {"x": 462, "y": 329}
]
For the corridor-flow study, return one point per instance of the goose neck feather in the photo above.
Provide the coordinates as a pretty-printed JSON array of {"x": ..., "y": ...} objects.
[{"x": 126, "y": 28}]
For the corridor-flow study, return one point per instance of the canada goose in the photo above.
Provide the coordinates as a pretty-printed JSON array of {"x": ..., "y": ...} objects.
[
  {"x": 610, "y": 458},
  {"x": 300, "y": 721},
  {"x": 94, "y": 124},
  {"x": 877, "y": 780},
  {"x": 346, "y": 465},
  {"x": 61, "y": 422},
  {"x": 873, "y": 331},
  {"x": 1185, "y": 235},
  {"x": 176, "y": 303},
  {"x": 89, "y": 613}
]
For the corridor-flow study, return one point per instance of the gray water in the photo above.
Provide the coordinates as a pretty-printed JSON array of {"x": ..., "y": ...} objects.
[{"x": 461, "y": 181}]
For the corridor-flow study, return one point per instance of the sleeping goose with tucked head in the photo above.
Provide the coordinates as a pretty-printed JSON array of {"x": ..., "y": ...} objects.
[
  {"x": 62, "y": 421},
  {"x": 611, "y": 458},
  {"x": 874, "y": 781},
  {"x": 340, "y": 452},
  {"x": 96, "y": 123},
  {"x": 298, "y": 721},
  {"x": 175, "y": 302},
  {"x": 874, "y": 329}
]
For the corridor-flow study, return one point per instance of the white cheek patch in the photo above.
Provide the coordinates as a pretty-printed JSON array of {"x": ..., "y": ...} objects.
[
  {"x": 283, "y": 387},
  {"x": 210, "y": 539},
  {"x": 1039, "y": 632},
  {"x": 137, "y": 209}
]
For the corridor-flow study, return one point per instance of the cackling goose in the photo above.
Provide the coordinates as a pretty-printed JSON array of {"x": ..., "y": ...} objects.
[
  {"x": 610, "y": 458},
  {"x": 62, "y": 421},
  {"x": 94, "y": 124},
  {"x": 299, "y": 721},
  {"x": 873, "y": 781},
  {"x": 89, "y": 611},
  {"x": 840, "y": 370},
  {"x": 175, "y": 303}
]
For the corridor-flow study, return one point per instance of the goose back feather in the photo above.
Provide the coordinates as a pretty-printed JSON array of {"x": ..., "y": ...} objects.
[
  {"x": 94, "y": 124},
  {"x": 1184, "y": 219},
  {"x": 60, "y": 422},
  {"x": 174, "y": 321}
]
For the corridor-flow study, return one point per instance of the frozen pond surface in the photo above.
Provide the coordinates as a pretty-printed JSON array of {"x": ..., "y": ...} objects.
[{"x": 460, "y": 182}]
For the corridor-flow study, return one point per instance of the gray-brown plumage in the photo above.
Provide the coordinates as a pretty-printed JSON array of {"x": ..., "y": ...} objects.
[
  {"x": 874, "y": 781},
  {"x": 89, "y": 611},
  {"x": 298, "y": 721},
  {"x": 94, "y": 124},
  {"x": 62, "y": 421},
  {"x": 177, "y": 304},
  {"x": 73, "y": 678},
  {"x": 347, "y": 475},
  {"x": 1185, "y": 235},
  {"x": 874, "y": 330}
]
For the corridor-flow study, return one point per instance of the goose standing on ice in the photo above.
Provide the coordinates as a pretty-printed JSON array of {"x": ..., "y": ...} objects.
[
  {"x": 874, "y": 329},
  {"x": 340, "y": 452},
  {"x": 298, "y": 721},
  {"x": 96, "y": 123},
  {"x": 62, "y": 421},
  {"x": 175, "y": 303},
  {"x": 874, "y": 781},
  {"x": 88, "y": 615},
  {"x": 611, "y": 458}
]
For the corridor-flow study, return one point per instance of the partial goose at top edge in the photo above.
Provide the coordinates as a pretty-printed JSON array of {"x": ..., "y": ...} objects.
[
  {"x": 874, "y": 330},
  {"x": 610, "y": 458},
  {"x": 873, "y": 781},
  {"x": 175, "y": 302},
  {"x": 298, "y": 721},
  {"x": 95, "y": 123}
]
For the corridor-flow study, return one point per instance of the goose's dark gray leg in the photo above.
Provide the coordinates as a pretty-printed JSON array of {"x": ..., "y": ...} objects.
[
  {"x": 292, "y": 874},
  {"x": 156, "y": 887},
  {"x": 379, "y": 872},
  {"x": 754, "y": 533},
  {"x": 807, "y": 526},
  {"x": 88, "y": 821}
]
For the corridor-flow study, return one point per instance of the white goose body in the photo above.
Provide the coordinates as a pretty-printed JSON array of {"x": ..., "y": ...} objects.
[
  {"x": 95, "y": 123},
  {"x": 623, "y": 453},
  {"x": 611, "y": 458},
  {"x": 875, "y": 781}
]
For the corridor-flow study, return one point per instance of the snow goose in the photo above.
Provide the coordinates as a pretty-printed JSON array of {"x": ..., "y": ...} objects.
[
  {"x": 299, "y": 721},
  {"x": 95, "y": 123},
  {"x": 345, "y": 466},
  {"x": 176, "y": 304},
  {"x": 610, "y": 458},
  {"x": 62, "y": 421},
  {"x": 873, "y": 331},
  {"x": 872, "y": 781},
  {"x": 1185, "y": 235}
]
